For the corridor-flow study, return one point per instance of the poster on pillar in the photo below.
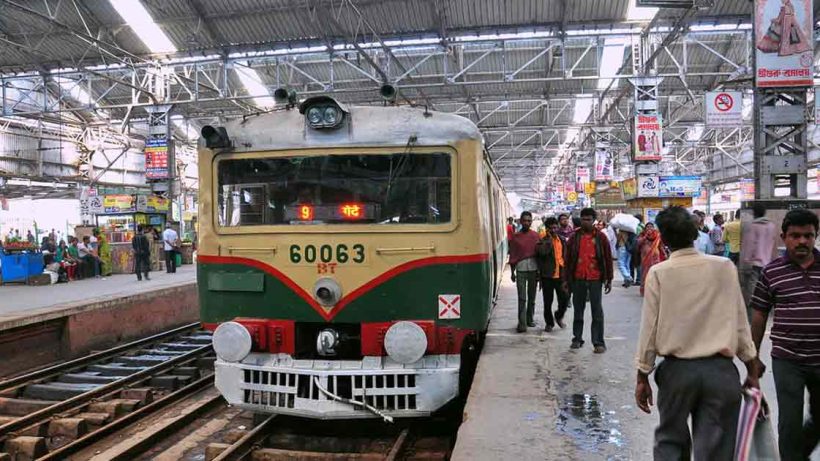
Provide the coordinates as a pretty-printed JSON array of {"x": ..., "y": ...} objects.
[
  {"x": 647, "y": 137},
  {"x": 784, "y": 49},
  {"x": 817, "y": 105},
  {"x": 603, "y": 162},
  {"x": 724, "y": 109},
  {"x": 581, "y": 176}
]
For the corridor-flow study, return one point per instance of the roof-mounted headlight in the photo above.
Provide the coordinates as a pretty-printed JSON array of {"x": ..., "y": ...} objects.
[{"x": 323, "y": 112}]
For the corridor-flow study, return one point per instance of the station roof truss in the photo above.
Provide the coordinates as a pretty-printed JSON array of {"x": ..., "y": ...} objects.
[{"x": 540, "y": 78}]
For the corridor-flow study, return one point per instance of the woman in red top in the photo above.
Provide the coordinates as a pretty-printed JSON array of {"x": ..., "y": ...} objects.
[{"x": 651, "y": 248}]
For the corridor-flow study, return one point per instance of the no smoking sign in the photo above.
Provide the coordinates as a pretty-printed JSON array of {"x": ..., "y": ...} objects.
[
  {"x": 723, "y": 108},
  {"x": 724, "y": 102}
]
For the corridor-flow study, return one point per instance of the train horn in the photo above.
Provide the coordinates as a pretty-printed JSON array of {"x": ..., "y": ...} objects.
[
  {"x": 284, "y": 95},
  {"x": 388, "y": 92},
  {"x": 215, "y": 137}
]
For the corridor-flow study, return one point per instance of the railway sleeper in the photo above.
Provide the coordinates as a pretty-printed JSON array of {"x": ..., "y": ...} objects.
[
  {"x": 22, "y": 407},
  {"x": 181, "y": 347},
  {"x": 72, "y": 428},
  {"x": 115, "y": 369},
  {"x": 87, "y": 377},
  {"x": 143, "y": 360},
  {"x": 25, "y": 448},
  {"x": 95, "y": 419},
  {"x": 57, "y": 390},
  {"x": 114, "y": 407},
  {"x": 200, "y": 340}
]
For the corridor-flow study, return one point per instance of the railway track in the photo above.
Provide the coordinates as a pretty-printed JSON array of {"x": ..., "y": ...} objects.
[
  {"x": 54, "y": 412},
  {"x": 202, "y": 426}
]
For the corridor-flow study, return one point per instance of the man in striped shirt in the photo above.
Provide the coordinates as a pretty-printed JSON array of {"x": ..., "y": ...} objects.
[{"x": 790, "y": 286}]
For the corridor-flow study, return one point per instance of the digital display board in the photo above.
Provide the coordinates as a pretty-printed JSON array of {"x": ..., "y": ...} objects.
[{"x": 156, "y": 159}]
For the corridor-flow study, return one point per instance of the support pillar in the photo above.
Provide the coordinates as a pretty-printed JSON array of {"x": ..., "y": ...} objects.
[
  {"x": 780, "y": 143},
  {"x": 159, "y": 135}
]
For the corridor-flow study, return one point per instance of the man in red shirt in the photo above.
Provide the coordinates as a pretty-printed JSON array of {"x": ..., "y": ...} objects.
[
  {"x": 525, "y": 270},
  {"x": 510, "y": 228},
  {"x": 588, "y": 271}
]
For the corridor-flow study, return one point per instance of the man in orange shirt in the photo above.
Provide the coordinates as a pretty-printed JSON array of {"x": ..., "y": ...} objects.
[
  {"x": 588, "y": 272},
  {"x": 549, "y": 253}
]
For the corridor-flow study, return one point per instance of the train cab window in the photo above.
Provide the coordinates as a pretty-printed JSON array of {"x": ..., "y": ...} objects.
[{"x": 384, "y": 189}]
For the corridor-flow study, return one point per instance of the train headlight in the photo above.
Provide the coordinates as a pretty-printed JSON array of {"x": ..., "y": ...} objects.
[
  {"x": 331, "y": 115},
  {"x": 323, "y": 112},
  {"x": 405, "y": 342},
  {"x": 327, "y": 291},
  {"x": 315, "y": 116},
  {"x": 232, "y": 342}
]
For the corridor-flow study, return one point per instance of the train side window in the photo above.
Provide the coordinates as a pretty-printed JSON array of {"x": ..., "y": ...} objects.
[{"x": 493, "y": 212}]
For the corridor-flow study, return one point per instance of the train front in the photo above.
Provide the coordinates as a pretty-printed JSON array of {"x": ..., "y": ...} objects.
[{"x": 340, "y": 259}]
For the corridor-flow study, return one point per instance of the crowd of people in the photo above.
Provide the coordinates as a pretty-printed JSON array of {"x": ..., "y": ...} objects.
[{"x": 708, "y": 294}]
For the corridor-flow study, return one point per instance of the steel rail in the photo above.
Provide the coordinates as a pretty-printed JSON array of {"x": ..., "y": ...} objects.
[
  {"x": 131, "y": 418},
  {"x": 242, "y": 448},
  {"x": 89, "y": 359},
  {"x": 85, "y": 397},
  {"x": 398, "y": 446}
]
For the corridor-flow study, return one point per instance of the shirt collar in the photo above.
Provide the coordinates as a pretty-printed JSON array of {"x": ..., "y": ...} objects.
[{"x": 684, "y": 252}]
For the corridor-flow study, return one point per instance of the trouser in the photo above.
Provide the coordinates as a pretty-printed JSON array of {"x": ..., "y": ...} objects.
[
  {"x": 583, "y": 290},
  {"x": 170, "y": 261},
  {"x": 142, "y": 265},
  {"x": 707, "y": 389},
  {"x": 548, "y": 287},
  {"x": 625, "y": 263},
  {"x": 749, "y": 276},
  {"x": 797, "y": 439},
  {"x": 525, "y": 282},
  {"x": 735, "y": 257},
  {"x": 93, "y": 264}
]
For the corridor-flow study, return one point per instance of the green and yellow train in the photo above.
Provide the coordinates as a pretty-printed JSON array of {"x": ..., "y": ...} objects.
[{"x": 349, "y": 257}]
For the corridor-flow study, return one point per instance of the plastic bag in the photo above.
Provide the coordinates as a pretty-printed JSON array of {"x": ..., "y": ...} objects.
[
  {"x": 755, "y": 437},
  {"x": 625, "y": 222}
]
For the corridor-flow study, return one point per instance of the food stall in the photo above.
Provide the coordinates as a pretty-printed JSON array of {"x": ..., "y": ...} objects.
[{"x": 118, "y": 218}]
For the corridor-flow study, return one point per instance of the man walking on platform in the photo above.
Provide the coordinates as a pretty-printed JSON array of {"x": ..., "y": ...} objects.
[
  {"x": 790, "y": 286},
  {"x": 142, "y": 254},
  {"x": 565, "y": 229},
  {"x": 716, "y": 235},
  {"x": 524, "y": 270},
  {"x": 757, "y": 244},
  {"x": 693, "y": 315},
  {"x": 588, "y": 271},
  {"x": 550, "y": 254}
]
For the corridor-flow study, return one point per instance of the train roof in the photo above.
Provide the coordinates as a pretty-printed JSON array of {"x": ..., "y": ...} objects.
[{"x": 365, "y": 126}]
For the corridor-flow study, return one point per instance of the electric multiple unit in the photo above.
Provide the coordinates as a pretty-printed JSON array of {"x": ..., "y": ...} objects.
[{"x": 348, "y": 258}]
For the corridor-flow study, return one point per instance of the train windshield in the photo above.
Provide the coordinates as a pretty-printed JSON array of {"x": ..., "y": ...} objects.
[{"x": 388, "y": 189}]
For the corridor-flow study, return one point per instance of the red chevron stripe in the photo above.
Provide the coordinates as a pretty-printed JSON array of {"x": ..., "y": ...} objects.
[{"x": 347, "y": 299}]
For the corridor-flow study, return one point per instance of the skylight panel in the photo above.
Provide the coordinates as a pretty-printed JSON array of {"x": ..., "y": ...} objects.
[
  {"x": 642, "y": 14},
  {"x": 254, "y": 86},
  {"x": 611, "y": 59},
  {"x": 136, "y": 16},
  {"x": 583, "y": 107}
]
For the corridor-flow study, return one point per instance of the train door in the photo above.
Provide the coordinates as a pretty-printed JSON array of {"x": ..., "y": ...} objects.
[{"x": 493, "y": 232}]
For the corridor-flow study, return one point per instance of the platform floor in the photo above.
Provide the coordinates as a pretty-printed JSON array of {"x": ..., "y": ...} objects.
[
  {"x": 21, "y": 304},
  {"x": 533, "y": 398}
]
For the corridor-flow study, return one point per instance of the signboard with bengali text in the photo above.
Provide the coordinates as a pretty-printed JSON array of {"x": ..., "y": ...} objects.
[
  {"x": 156, "y": 159},
  {"x": 784, "y": 47},
  {"x": 647, "y": 137}
]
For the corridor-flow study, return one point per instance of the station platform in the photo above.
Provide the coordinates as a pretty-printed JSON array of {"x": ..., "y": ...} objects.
[
  {"x": 535, "y": 398},
  {"x": 76, "y": 317}
]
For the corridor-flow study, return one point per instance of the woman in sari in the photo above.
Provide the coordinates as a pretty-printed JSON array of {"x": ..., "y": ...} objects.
[
  {"x": 104, "y": 250},
  {"x": 652, "y": 251}
]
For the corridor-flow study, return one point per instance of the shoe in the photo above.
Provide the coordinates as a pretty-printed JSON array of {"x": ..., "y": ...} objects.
[
  {"x": 548, "y": 328},
  {"x": 139, "y": 279},
  {"x": 521, "y": 330},
  {"x": 599, "y": 349},
  {"x": 147, "y": 278},
  {"x": 560, "y": 323},
  {"x": 576, "y": 345},
  {"x": 530, "y": 324}
]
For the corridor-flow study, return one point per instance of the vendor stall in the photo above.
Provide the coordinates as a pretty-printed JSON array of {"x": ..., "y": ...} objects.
[
  {"x": 119, "y": 218},
  {"x": 649, "y": 196}
]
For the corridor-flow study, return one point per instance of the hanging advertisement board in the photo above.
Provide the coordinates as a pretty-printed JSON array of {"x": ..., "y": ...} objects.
[
  {"x": 120, "y": 203},
  {"x": 630, "y": 188},
  {"x": 647, "y": 186},
  {"x": 156, "y": 159},
  {"x": 747, "y": 189},
  {"x": 603, "y": 162},
  {"x": 724, "y": 108},
  {"x": 647, "y": 137},
  {"x": 784, "y": 49},
  {"x": 581, "y": 176},
  {"x": 679, "y": 186}
]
